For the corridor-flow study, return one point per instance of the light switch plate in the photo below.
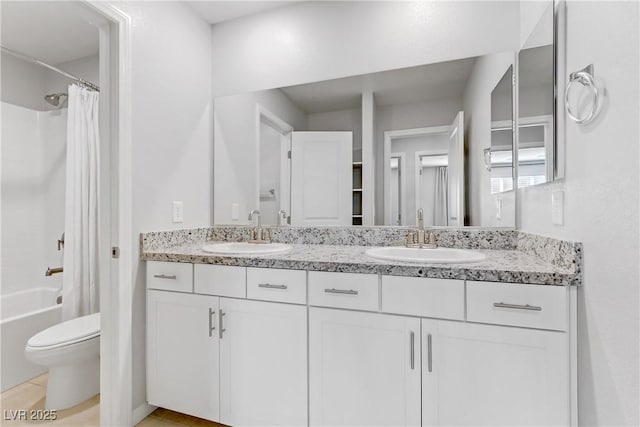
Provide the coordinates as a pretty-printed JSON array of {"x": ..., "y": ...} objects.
[
  {"x": 557, "y": 207},
  {"x": 235, "y": 211},
  {"x": 178, "y": 211},
  {"x": 498, "y": 208}
]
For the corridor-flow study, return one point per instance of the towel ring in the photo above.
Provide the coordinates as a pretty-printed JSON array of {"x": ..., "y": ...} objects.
[{"x": 585, "y": 78}]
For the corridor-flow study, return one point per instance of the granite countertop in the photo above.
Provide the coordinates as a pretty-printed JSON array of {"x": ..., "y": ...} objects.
[{"x": 501, "y": 265}]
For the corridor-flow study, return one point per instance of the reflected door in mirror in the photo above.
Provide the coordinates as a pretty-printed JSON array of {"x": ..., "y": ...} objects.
[{"x": 321, "y": 178}]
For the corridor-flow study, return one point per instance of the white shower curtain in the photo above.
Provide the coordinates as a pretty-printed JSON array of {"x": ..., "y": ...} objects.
[
  {"x": 441, "y": 202},
  {"x": 81, "y": 276}
]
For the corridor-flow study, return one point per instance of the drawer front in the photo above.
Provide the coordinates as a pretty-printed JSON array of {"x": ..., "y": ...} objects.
[
  {"x": 532, "y": 306},
  {"x": 220, "y": 280},
  {"x": 417, "y": 296},
  {"x": 271, "y": 284},
  {"x": 170, "y": 276},
  {"x": 344, "y": 290}
]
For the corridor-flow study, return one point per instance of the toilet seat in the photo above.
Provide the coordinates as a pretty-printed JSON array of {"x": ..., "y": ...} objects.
[{"x": 66, "y": 333}]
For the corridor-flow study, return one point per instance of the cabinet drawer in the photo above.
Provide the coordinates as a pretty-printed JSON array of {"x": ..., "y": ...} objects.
[
  {"x": 344, "y": 290},
  {"x": 425, "y": 297},
  {"x": 170, "y": 276},
  {"x": 270, "y": 284},
  {"x": 221, "y": 280},
  {"x": 532, "y": 306}
]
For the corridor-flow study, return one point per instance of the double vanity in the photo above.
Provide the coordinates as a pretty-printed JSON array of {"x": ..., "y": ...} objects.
[{"x": 326, "y": 326}]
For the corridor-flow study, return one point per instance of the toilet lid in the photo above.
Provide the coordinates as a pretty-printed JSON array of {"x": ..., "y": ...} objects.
[{"x": 68, "y": 332}]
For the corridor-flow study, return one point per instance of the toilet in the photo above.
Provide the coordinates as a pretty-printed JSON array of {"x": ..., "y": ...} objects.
[{"x": 71, "y": 352}]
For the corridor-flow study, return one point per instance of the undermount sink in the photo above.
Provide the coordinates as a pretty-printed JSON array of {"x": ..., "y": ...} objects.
[
  {"x": 245, "y": 248},
  {"x": 437, "y": 256}
]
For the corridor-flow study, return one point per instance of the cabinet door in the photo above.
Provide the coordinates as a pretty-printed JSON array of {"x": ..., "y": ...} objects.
[
  {"x": 363, "y": 368},
  {"x": 182, "y": 353},
  {"x": 263, "y": 363},
  {"x": 477, "y": 374}
]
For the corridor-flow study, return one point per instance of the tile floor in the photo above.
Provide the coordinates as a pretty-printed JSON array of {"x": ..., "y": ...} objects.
[{"x": 30, "y": 396}]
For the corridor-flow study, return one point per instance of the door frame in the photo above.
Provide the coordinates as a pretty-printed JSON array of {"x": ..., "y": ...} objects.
[
  {"x": 391, "y": 135},
  {"x": 272, "y": 120},
  {"x": 402, "y": 161},
  {"x": 116, "y": 292}
]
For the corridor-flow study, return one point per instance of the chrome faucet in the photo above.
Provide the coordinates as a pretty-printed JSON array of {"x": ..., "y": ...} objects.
[
  {"x": 258, "y": 234},
  {"x": 420, "y": 238}
]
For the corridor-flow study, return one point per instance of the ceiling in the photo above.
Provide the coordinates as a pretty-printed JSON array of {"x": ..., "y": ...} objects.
[
  {"x": 215, "y": 12},
  {"x": 52, "y": 31},
  {"x": 61, "y": 31},
  {"x": 444, "y": 80}
]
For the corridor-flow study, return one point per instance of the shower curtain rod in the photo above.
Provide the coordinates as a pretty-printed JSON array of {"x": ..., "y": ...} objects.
[{"x": 33, "y": 60}]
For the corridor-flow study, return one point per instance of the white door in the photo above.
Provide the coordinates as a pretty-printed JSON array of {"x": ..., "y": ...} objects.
[
  {"x": 456, "y": 171},
  {"x": 321, "y": 178},
  {"x": 182, "y": 353},
  {"x": 263, "y": 363},
  {"x": 488, "y": 375},
  {"x": 364, "y": 369}
]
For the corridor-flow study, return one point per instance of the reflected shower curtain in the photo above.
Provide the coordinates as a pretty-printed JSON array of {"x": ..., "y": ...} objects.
[
  {"x": 81, "y": 275},
  {"x": 441, "y": 202}
]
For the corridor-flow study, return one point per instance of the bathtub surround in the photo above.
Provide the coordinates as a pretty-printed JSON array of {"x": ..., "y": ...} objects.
[
  {"x": 32, "y": 197},
  {"x": 512, "y": 257}
]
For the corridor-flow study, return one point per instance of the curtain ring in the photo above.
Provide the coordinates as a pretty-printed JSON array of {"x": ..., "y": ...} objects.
[{"x": 585, "y": 78}]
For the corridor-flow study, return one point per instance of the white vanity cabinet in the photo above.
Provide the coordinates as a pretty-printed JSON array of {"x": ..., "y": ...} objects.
[
  {"x": 263, "y": 363},
  {"x": 183, "y": 353},
  {"x": 256, "y": 346},
  {"x": 475, "y": 374},
  {"x": 230, "y": 360},
  {"x": 364, "y": 368}
]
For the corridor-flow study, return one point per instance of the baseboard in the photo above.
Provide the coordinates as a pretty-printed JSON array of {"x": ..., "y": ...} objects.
[{"x": 141, "y": 412}]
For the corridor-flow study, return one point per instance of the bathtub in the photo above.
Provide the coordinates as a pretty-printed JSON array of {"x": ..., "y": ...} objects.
[{"x": 24, "y": 314}]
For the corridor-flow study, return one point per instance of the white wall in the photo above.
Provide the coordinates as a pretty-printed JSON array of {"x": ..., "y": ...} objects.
[
  {"x": 172, "y": 136},
  {"x": 313, "y": 41},
  {"x": 235, "y": 157},
  {"x": 22, "y": 83},
  {"x": 349, "y": 120},
  {"x": 406, "y": 116},
  {"x": 481, "y": 205},
  {"x": 601, "y": 210}
]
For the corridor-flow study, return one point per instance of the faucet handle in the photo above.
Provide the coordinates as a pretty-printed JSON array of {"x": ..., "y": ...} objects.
[
  {"x": 410, "y": 238},
  {"x": 432, "y": 238}
]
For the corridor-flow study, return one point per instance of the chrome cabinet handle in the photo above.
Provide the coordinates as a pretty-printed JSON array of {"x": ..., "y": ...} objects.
[
  {"x": 412, "y": 348},
  {"x": 221, "y": 330},
  {"x": 271, "y": 286},
  {"x": 517, "y": 306},
  {"x": 341, "y": 291},
  {"x": 429, "y": 354},
  {"x": 164, "y": 276},
  {"x": 211, "y": 327}
]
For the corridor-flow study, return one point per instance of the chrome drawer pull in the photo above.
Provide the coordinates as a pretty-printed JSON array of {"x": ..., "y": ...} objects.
[
  {"x": 164, "y": 276},
  {"x": 341, "y": 291},
  {"x": 271, "y": 286},
  {"x": 211, "y": 327},
  {"x": 221, "y": 330},
  {"x": 517, "y": 306},
  {"x": 429, "y": 354},
  {"x": 412, "y": 349}
]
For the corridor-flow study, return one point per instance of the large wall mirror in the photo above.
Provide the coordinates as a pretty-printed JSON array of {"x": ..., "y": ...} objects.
[{"x": 372, "y": 149}]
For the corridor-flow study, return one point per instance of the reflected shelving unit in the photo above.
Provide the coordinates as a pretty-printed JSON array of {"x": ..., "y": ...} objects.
[{"x": 357, "y": 194}]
